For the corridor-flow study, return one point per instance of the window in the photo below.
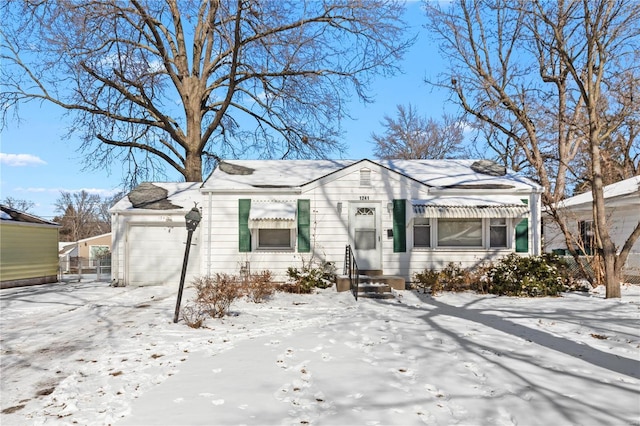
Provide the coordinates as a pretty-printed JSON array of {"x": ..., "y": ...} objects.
[
  {"x": 498, "y": 232},
  {"x": 274, "y": 239},
  {"x": 421, "y": 232},
  {"x": 96, "y": 253},
  {"x": 587, "y": 236},
  {"x": 365, "y": 228},
  {"x": 460, "y": 232}
]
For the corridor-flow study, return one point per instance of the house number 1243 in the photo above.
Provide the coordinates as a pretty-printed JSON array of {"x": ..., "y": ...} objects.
[{"x": 364, "y": 198}]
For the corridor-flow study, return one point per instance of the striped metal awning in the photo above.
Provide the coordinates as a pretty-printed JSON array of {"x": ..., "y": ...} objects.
[
  {"x": 272, "y": 214},
  {"x": 498, "y": 206}
]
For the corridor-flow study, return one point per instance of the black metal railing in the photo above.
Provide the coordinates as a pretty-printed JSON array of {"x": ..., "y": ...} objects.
[{"x": 352, "y": 271}]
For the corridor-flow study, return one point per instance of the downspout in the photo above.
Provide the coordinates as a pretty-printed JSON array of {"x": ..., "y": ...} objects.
[
  {"x": 536, "y": 212},
  {"x": 209, "y": 221},
  {"x": 115, "y": 250}
]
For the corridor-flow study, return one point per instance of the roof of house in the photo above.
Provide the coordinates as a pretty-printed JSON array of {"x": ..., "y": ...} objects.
[
  {"x": 629, "y": 188},
  {"x": 160, "y": 196},
  {"x": 256, "y": 174},
  {"x": 94, "y": 237},
  {"x": 11, "y": 215}
]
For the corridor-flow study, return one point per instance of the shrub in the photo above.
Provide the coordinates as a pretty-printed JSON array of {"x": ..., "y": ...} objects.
[
  {"x": 259, "y": 286},
  {"x": 214, "y": 295},
  {"x": 530, "y": 276},
  {"x": 451, "y": 278},
  {"x": 193, "y": 316},
  {"x": 307, "y": 278},
  {"x": 428, "y": 279},
  {"x": 479, "y": 280},
  {"x": 454, "y": 278}
]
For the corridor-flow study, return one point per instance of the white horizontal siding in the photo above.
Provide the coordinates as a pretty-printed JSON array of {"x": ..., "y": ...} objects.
[{"x": 329, "y": 229}]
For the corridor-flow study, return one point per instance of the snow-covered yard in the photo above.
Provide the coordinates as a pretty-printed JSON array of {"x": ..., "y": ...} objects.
[{"x": 86, "y": 353}]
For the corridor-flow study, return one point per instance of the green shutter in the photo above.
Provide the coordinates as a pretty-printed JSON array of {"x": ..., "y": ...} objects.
[
  {"x": 399, "y": 226},
  {"x": 244, "y": 234},
  {"x": 304, "y": 226},
  {"x": 522, "y": 234}
]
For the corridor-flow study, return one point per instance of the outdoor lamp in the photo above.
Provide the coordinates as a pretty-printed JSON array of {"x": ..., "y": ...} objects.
[{"x": 193, "y": 218}]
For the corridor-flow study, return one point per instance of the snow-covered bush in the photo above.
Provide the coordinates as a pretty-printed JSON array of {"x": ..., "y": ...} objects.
[
  {"x": 531, "y": 276},
  {"x": 311, "y": 276}
]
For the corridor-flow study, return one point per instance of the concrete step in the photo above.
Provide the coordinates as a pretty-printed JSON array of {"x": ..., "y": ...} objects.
[
  {"x": 375, "y": 295},
  {"x": 371, "y": 272},
  {"x": 369, "y": 287},
  {"x": 372, "y": 288},
  {"x": 395, "y": 282}
]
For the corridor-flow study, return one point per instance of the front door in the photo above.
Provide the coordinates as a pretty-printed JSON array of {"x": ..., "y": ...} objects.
[{"x": 364, "y": 232}]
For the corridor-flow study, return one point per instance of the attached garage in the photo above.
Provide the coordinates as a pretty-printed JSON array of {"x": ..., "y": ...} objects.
[
  {"x": 156, "y": 253},
  {"x": 150, "y": 235}
]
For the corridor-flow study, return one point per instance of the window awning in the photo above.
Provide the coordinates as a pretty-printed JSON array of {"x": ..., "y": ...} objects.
[
  {"x": 272, "y": 214},
  {"x": 493, "y": 206}
]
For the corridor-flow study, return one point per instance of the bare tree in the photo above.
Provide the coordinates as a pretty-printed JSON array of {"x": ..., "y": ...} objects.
[
  {"x": 493, "y": 144},
  {"x": 80, "y": 215},
  {"x": 620, "y": 153},
  {"x": 157, "y": 83},
  {"x": 103, "y": 214},
  {"x": 18, "y": 204},
  {"x": 412, "y": 136},
  {"x": 547, "y": 76}
]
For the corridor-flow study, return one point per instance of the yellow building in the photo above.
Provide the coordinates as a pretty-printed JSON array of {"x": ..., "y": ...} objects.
[{"x": 28, "y": 249}]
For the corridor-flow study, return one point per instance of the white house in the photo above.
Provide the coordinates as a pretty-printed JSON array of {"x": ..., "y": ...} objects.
[
  {"x": 622, "y": 203},
  {"x": 399, "y": 217}
]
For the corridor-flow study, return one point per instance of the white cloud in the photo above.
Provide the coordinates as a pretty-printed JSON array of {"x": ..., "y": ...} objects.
[{"x": 20, "y": 160}]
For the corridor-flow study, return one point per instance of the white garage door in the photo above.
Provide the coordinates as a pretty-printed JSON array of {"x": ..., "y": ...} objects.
[{"x": 155, "y": 254}]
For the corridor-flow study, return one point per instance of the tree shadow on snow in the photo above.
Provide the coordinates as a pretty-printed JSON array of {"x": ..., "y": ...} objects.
[{"x": 434, "y": 311}]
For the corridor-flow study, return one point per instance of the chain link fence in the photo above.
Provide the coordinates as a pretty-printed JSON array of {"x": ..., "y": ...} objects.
[
  {"x": 75, "y": 269},
  {"x": 588, "y": 263}
]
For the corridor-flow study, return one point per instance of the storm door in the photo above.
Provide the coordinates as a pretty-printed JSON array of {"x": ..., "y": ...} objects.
[{"x": 364, "y": 231}]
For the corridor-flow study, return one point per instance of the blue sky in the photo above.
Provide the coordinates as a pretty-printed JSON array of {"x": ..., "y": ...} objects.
[{"x": 37, "y": 162}]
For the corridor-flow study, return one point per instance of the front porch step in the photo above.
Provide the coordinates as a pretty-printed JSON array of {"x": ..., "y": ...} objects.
[
  {"x": 374, "y": 290},
  {"x": 371, "y": 272},
  {"x": 392, "y": 281}
]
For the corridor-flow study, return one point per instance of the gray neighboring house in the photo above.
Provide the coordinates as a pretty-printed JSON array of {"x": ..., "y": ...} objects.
[{"x": 622, "y": 203}]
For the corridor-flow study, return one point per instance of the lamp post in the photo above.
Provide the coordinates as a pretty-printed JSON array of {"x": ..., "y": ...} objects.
[{"x": 192, "y": 219}]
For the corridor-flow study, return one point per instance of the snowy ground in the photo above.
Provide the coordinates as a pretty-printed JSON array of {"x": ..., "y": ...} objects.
[{"x": 86, "y": 353}]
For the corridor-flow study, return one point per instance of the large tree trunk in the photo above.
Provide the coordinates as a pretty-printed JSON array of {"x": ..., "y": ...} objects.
[
  {"x": 604, "y": 242},
  {"x": 192, "y": 98}
]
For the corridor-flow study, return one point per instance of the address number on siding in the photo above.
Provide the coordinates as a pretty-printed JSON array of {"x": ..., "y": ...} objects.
[{"x": 364, "y": 198}]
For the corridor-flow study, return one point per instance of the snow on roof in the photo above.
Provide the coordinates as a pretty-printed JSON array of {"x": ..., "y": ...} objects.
[
  {"x": 274, "y": 210},
  {"x": 95, "y": 237},
  {"x": 271, "y": 173},
  {"x": 9, "y": 214},
  {"x": 160, "y": 196},
  {"x": 618, "y": 189},
  {"x": 254, "y": 174}
]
